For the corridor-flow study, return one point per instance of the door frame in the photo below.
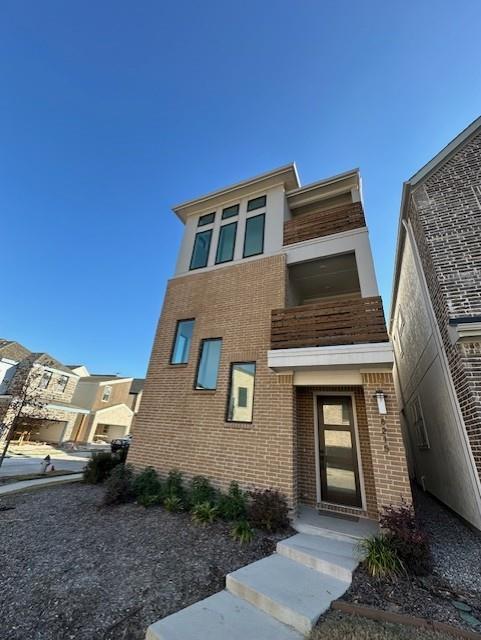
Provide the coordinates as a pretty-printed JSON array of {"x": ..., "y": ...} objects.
[{"x": 351, "y": 395}]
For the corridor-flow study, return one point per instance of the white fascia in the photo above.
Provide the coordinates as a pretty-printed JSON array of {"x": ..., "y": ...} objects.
[
  {"x": 62, "y": 407},
  {"x": 359, "y": 355}
]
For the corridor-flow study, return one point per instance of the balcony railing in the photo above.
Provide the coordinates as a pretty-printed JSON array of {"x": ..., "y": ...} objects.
[
  {"x": 322, "y": 324},
  {"x": 324, "y": 223}
]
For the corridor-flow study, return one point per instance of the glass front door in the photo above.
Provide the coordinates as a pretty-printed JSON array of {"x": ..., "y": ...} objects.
[{"x": 337, "y": 451}]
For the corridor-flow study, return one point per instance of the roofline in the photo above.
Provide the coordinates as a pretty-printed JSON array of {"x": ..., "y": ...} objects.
[
  {"x": 324, "y": 182},
  {"x": 291, "y": 167},
  {"x": 112, "y": 406}
]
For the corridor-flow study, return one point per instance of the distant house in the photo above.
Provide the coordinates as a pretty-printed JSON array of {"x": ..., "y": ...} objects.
[
  {"x": 55, "y": 418},
  {"x": 112, "y": 402},
  {"x": 436, "y": 323}
]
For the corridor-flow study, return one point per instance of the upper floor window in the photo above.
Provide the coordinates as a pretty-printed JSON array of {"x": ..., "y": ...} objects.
[
  {"x": 208, "y": 366},
  {"x": 106, "y": 394},
  {"x": 230, "y": 212},
  {"x": 254, "y": 236},
  {"x": 200, "y": 252},
  {"x": 256, "y": 203},
  {"x": 208, "y": 218},
  {"x": 45, "y": 380},
  {"x": 419, "y": 424},
  {"x": 182, "y": 341},
  {"x": 226, "y": 245},
  {"x": 62, "y": 383},
  {"x": 241, "y": 392}
]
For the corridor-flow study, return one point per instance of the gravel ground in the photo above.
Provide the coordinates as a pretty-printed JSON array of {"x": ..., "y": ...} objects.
[
  {"x": 456, "y": 577},
  {"x": 72, "y": 570}
]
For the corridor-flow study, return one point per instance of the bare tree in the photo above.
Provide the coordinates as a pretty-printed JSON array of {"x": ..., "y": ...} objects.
[{"x": 28, "y": 401}]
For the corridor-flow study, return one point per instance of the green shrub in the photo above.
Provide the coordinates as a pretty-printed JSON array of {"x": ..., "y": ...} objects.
[
  {"x": 233, "y": 505},
  {"x": 147, "y": 500},
  {"x": 201, "y": 490},
  {"x": 174, "y": 486},
  {"x": 147, "y": 483},
  {"x": 173, "y": 503},
  {"x": 119, "y": 485},
  {"x": 381, "y": 559},
  {"x": 242, "y": 531},
  {"x": 99, "y": 467},
  {"x": 204, "y": 513},
  {"x": 268, "y": 510}
]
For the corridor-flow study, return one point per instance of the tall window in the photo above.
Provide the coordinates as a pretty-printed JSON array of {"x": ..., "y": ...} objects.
[
  {"x": 254, "y": 237},
  {"x": 208, "y": 366},
  {"x": 418, "y": 424},
  {"x": 200, "y": 253},
  {"x": 225, "y": 248},
  {"x": 241, "y": 392},
  {"x": 106, "y": 394},
  {"x": 182, "y": 340},
  {"x": 45, "y": 380},
  {"x": 62, "y": 383}
]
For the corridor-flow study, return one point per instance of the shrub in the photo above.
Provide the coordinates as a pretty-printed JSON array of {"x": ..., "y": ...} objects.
[
  {"x": 204, "y": 513},
  {"x": 147, "y": 483},
  {"x": 147, "y": 500},
  {"x": 242, "y": 531},
  {"x": 201, "y": 490},
  {"x": 174, "y": 486},
  {"x": 233, "y": 505},
  {"x": 268, "y": 510},
  {"x": 99, "y": 467},
  {"x": 173, "y": 503},
  {"x": 381, "y": 559},
  {"x": 119, "y": 485},
  {"x": 410, "y": 542}
]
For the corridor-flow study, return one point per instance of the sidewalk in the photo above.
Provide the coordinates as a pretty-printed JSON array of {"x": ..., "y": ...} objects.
[
  {"x": 26, "y": 459},
  {"x": 24, "y": 485}
]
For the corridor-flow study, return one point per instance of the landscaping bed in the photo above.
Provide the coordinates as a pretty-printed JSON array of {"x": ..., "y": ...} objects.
[{"x": 74, "y": 570}]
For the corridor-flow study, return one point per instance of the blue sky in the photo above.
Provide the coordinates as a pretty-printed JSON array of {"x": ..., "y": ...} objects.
[{"x": 112, "y": 111}]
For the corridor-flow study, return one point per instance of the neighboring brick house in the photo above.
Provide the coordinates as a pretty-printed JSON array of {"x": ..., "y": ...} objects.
[
  {"x": 112, "y": 402},
  {"x": 50, "y": 416},
  {"x": 271, "y": 364},
  {"x": 436, "y": 323}
]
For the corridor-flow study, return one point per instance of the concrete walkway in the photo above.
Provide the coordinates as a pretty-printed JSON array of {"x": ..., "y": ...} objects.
[
  {"x": 27, "y": 459},
  {"x": 25, "y": 485},
  {"x": 277, "y": 598}
]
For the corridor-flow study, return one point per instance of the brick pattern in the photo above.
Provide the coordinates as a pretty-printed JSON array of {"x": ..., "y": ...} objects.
[
  {"x": 306, "y": 447},
  {"x": 179, "y": 427},
  {"x": 391, "y": 479},
  {"x": 445, "y": 211}
]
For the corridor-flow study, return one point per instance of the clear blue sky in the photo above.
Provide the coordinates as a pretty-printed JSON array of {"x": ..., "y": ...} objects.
[{"x": 112, "y": 111}]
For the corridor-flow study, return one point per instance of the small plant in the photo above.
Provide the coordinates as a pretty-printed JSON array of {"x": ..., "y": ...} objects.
[
  {"x": 204, "y": 513},
  {"x": 119, "y": 485},
  {"x": 149, "y": 500},
  {"x": 381, "y": 559},
  {"x": 174, "y": 486},
  {"x": 173, "y": 504},
  {"x": 233, "y": 505},
  {"x": 268, "y": 510},
  {"x": 201, "y": 490},
  {"x": 99, "y": 467},
  {"x": 242, "y": 532},
  {"x": 147, "y": 483}
]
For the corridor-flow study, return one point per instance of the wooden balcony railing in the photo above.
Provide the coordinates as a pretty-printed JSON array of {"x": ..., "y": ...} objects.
[
  {"x": 322, "y": 324},
  {"x": 324, "y": 223}
]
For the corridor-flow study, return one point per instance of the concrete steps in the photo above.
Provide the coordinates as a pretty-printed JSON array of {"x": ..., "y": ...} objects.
[{"x": 277, "y": 598}]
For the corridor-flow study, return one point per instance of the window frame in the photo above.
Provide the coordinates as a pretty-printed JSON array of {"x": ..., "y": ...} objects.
[
  {"x": 229, "y": 392},
  {"x": 60, "y": 385},
  {"x": 199, "y": 358},
  {"x": 46, "y": 375},
  {"x": 229, "y": 224},
  {"x": 174, "y": 341},
  {"x": 251, "y": 255},
  {"x": 227, "y": 216},
  {"x": 200, "y": 222},
  {"x": 107, "y": 386},
  {"x": 202, "y": 266},
  {"x": 257, "y": 198}
]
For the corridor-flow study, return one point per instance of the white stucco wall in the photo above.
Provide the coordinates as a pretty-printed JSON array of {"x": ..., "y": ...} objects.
[{"x": 446, "y": 468}]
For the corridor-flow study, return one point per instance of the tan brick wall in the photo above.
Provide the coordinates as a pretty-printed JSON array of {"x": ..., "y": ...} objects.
[
  {"x": 179, "y": 427},
  {"x": 391, "y": 478}
]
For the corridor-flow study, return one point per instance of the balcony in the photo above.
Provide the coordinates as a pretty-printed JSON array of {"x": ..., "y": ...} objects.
[
  {"x": 351, "y": 320},
  {"x": 318, "y": 223}
]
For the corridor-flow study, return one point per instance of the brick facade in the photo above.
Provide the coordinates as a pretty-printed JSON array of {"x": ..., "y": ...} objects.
[{"x": 445, "y": 212}]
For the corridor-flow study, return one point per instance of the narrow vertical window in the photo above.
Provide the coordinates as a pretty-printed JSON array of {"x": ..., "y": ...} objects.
[
  {"x": 200, "y": 253},
  {"x": 182, "y": 340},
  {"x": 62, "y": 383},
  {"x": 208, "y": 366},
  {"x": 241, "y": 392},
  {"x": 254, "y": 236},
  {"x": 45, "y": 380},
  {"x": 226, "y": 245},
  {"x": 106, "y": 394}
]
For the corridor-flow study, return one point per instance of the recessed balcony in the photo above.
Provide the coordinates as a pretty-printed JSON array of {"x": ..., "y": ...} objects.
[{"x": 314, "y": 222}]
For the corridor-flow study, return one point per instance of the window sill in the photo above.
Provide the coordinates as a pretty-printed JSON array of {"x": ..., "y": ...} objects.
[
  {"x": 178, "y": 364},
  {"x": 238, "y": 425},
  {"x": 207, "y": 392}
]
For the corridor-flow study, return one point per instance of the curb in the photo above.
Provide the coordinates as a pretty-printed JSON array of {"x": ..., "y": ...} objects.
[
  {"x": 400, "y": 618},
  {"x": 27, "y": 485}
]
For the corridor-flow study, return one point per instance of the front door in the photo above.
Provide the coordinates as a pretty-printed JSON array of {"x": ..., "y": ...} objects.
[{"x": 338, "y": 460}]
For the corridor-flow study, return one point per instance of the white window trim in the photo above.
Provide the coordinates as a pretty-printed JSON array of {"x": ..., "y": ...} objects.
[{"x": 104, "y": 399}]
